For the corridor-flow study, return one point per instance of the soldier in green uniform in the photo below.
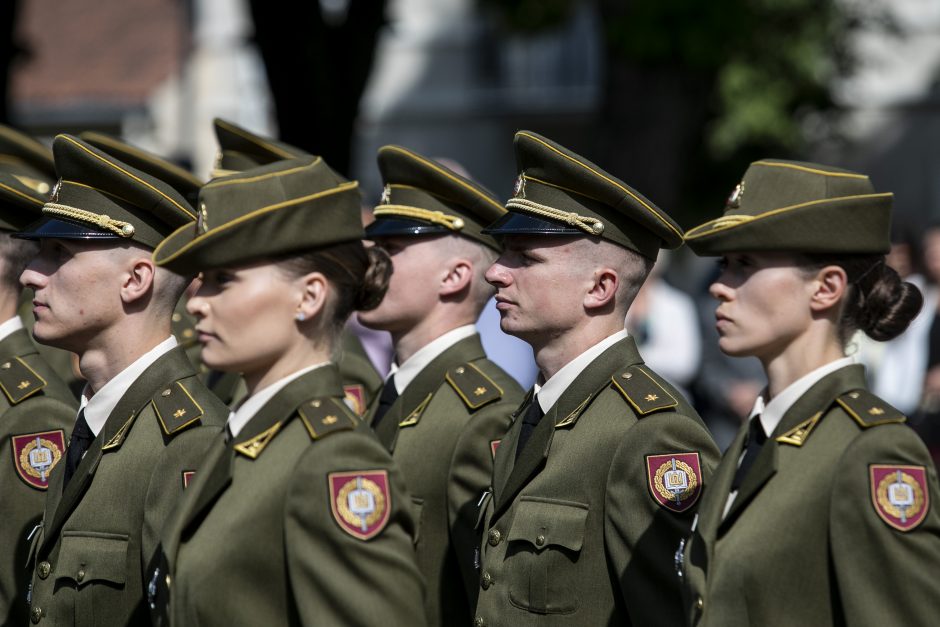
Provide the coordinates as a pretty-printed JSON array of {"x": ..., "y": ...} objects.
[
  {"x": 595, "y": 482},
  {"x": 445, "y": 406},
  {"x": 36, "y": 407},
  {"x": 822, "y": 511},
  {"x": 300, "y": 516},
  {"x": 240, "y": 149},
  {"x": 145, "y": 420}
]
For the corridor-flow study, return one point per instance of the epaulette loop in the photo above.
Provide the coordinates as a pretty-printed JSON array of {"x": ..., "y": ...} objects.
[
  {"x": 176, "y": 409},
  {"x": 643, "y": 393},
  {"x": 18, "y": 381},
  {"x": 324, "y": 416},
  {"x": 868, "y": 410},
  {"x": 473, "y": 387}
]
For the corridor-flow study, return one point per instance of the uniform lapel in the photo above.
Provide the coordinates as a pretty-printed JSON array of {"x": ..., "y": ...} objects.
[{"x": 716, "y": 492}]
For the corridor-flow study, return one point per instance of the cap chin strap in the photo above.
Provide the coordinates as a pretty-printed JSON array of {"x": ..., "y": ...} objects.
[
  {"x": 118, "y": 227},
  {"x": 434, "y": 217},
  {"x": 589, "y": 225}
]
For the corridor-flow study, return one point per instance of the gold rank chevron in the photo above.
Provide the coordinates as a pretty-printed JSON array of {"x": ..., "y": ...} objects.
[
  {"x": 252, "y": 448},
  {"x": 798, "y": 434}
]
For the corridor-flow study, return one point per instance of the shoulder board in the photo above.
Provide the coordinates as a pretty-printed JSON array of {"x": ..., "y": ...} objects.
[
  {"x": 18, "y": 381},
  {"x": 473, "y": 387},
  {"x": 323, "y": 416},
  {"x": 868, "y": 410},
  {"x": 176, "y": 409},
  {"x": 643, "y": 393}
]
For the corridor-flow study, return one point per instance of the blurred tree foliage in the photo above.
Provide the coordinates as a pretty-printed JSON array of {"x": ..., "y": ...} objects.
[{"x": 758, "y": 73}]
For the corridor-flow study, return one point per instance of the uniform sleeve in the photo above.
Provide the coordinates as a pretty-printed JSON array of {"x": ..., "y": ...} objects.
[
  {"x": 641, "y": 535},
  {"x": 335, "y": 577},
  {"x": 471, "y": 472},
  {"x": 884, "y": 576}
]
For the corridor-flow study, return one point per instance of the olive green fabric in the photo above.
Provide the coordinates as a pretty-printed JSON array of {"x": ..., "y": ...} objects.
[
  {"x": 27, "y": 159},
  {"x": 240, "y": 149},
  {"x": 789, "y": 206},
  {"x": 444, "y": 448},
  {"x": 100, "y": 533},
  {"x": 104, "y": 195},
  {"x": 802, "y": 544},
  {"x": 424, "y": 191},
  {"x": 361, "y": 381},
  {"x": 560, "y": 186},
  {"x": 20, "y": 205},
  {"x": 255, "y": 541},
  {"x": 183, "y": 181},
  {"x": 21, "y": 504},
  {"x": 572, "y": 534},
  {"x": 286, "y": 207}
]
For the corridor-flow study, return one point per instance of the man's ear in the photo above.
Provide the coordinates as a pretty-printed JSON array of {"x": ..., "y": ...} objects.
[
  {"x": 829, "y": 288},
  {"x": 139, "y": 280},
  {"x": 458, "y": 277},
  {"x": 603, "y": 290}
]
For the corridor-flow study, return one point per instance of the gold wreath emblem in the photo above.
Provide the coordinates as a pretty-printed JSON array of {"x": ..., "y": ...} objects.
[
  {"x": 354, "y": 518},
  {"x": 48, "y": 445},
  {"x": 890, "y": 508},
  {"x": 670, "y": 495}
]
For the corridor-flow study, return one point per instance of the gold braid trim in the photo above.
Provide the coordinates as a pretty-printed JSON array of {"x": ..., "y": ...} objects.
[
  {"x": 593, "y": 226},
  {"x": 124, "y": 229},
  {"x": 434, "y": 217}
]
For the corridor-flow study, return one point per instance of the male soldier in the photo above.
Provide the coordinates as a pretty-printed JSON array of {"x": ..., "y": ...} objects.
[
  {"x": 445, "y": 406},
  {"x": 593, "y": 487},
  {"x": 145, "y": 420},
  {"x": 36, "y": 407},
  {"x": 240, "y": 150}
]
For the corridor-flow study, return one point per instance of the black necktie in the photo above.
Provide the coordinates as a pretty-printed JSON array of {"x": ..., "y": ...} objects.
[
  {"x": 529, "y": 422},
  {"x": 81, "y": 439},
  {"x": 386, "y": 400},
  {"x": 755, "y": 441}
]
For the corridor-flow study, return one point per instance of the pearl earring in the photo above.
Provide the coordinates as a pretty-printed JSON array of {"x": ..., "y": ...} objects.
[{"x": 300, "y": 317}]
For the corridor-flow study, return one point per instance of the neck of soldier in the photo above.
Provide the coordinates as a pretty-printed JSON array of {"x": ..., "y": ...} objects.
[
  {"x": 299, "y": 355},
  {"x": 439, "y": 321},
  {"x": 555, "y": 350},
  {"x": 126, "y": 340},
  {"x": 817, "y": 346}
]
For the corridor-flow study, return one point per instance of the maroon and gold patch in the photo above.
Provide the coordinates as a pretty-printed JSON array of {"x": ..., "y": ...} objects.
[
  {"x": 900, "y": 494},
  {"x": 36, "y": 454},
  {"x": 188, "y": 476},
  {"x": 675, "y": 479},
  {"x": 360, "y": 501},
  {"x": 356, "y": 398},
  {"x": 494, "y": 446}
]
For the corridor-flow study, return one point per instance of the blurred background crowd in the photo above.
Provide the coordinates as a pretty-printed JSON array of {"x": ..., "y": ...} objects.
[{"x": 676, "y": 98}]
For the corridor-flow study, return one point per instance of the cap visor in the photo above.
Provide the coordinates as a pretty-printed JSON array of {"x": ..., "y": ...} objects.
[
  {"x": 514, "y": 223},
  {"x": 384, "y": 227},
  {"x": 60, "y": 228}
]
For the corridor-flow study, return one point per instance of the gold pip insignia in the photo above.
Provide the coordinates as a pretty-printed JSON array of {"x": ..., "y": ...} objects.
[
  {"x": 642, "y": 391},
  {"x": 868, "y": 410},
  {"x": 473, "y": 387},
  {"x": 176, "y": 409},
  {"x": 323, "y": 416},
  {"x": 18, "y": 381}
]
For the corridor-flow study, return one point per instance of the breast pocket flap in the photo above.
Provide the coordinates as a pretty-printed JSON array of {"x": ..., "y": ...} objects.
[
  {"x": 545, "y": 522},
  {"x": 88, "y": 557}
]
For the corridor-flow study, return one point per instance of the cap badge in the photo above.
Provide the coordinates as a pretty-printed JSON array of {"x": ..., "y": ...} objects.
[
  {"x": 202, "y": 220},
  {"x": 386, "y": 195},
  {"x": 54, "y": 194},
  {"x": 518, "y": 188},
  {"x": 734, "y": 200}
]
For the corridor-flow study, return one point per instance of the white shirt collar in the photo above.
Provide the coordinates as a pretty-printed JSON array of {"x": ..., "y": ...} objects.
[
  {"x": 772, "y": 412},
  {"x": 10, "y": 326},
  {"x": 251, "y": 405},
  {"x": 550, "y": 391},
  {"x": 102, "y": 403},
  {"x": 413, "y": 366}
]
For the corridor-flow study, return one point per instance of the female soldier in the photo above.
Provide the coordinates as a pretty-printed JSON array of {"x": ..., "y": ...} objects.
[
  {"x": 299, "y": 517},
  {"x": 821, "y": 510}
]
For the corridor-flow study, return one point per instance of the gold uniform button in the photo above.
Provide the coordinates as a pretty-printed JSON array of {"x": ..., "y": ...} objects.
[
  {"x": 494, "y": 537},
  {"x": 486, "y": 580},
  {"x": 479, "y": 621},
  {"x": 699, "y": 603},
  {"x": 80, "y": 576},
  {"x": 35, "y": 615},
  {"x": 177, "y": 317},
  {"x": 44, "y": 569},
  {"x": 540, "y": 540}
]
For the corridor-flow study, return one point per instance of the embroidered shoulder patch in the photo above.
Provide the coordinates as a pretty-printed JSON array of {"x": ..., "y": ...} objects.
[
  {"x": 176, "y": 409},
  {"x": 36, "y": 454},
  {"x": 473, "y": 387},
  {"x": 868, "y": 410},
  {"x": 323, "y": 416},
  {"x": 643, "y": 393},
  {"x": 18, "y": 381},
  {"x": 360, "y": 501},
  {"x": 356, "y": 398},
  {"x": 675, "y": 479},
  {"x": 900, "y": 495}
]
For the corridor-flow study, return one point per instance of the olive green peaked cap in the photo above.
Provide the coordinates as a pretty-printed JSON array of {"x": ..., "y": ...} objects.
[
  {"x": 789, "y": 206},
  {"x": 422, "y": 197},
  {"x": 561, "y": 193},
  {"x": 26, "y": 159},
  {"x": 99, "y": 197},
  {"x": 285, "y": 207},
  {"x": 183, "y": 181},
  {"x": 20, "y": 205},
  {"x": 240, "y": 149}
]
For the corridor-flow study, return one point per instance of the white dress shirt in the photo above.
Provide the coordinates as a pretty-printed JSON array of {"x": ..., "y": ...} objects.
[
  {"x": 11, "y": 325},
  {"x": 549, "y": 392},
  {"x": 249, "y": 407},
  {"x": 406, "y": 373}
]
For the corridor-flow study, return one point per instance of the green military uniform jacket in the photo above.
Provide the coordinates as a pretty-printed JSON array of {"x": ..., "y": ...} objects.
[
  {"x": 280, "y": 528},
  {"x": 99, "y": 534},
  {"x": 443, "y": 432},
  {"x": 804, "y": 542},
  {"x": 34, "y": 404},
  {"x": 573, "y": 532}
]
